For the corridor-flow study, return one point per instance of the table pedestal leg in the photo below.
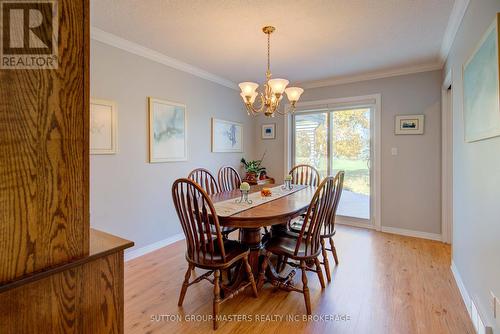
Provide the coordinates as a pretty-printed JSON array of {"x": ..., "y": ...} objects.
[{"x": 251, "y": 237}]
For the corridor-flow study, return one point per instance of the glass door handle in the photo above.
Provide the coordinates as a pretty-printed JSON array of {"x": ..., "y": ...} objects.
[{"x": 368, "y": 164}]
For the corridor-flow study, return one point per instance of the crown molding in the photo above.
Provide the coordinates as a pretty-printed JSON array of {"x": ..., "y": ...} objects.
[
  {"x": 372, "y": 75},
  {"x": 456, "y": 16},
  {"x": 137, "y": 49}
]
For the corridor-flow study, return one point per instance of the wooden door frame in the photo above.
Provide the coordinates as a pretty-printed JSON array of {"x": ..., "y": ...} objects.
[{"x": 447, "y": 159}]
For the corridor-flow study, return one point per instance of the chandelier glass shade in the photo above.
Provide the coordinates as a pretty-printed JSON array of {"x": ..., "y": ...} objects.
[{"x": 271, "y": 96}]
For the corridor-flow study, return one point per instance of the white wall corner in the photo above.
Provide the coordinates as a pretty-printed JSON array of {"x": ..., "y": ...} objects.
[
  {"x": 139, "y": 50},
  {"x": 135, "y": 253},
  {"x": 454, "y": 21}
]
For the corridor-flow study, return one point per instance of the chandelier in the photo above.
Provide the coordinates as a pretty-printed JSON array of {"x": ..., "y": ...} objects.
[{"x": 272, "y": 95}]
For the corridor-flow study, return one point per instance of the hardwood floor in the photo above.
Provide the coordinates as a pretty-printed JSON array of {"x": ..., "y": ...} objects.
[{"x": 384, "y": 284}]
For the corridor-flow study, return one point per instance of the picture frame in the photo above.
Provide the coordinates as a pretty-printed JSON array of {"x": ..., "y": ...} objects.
[
  {"x": 481, "y": 87},
  {"x": 409, "y": 125},
  {"x": 227, "y": 136},
  {"x": 103, "y": 127},
  {"x": 167, "y": 131},
  {"x": 268, "y": 131}
]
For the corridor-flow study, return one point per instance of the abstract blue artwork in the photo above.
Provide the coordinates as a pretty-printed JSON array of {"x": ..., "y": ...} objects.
[
  {"x": 226, "y": 136},
  {"x": 167, "y": 131},
  {"x": 481, "y": 89}
]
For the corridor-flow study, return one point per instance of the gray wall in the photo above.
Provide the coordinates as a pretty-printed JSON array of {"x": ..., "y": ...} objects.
[
  {"x": 410, "y": 181},
  {"x": 476, "y": 179},
  {"x": 130, "y": 197}
]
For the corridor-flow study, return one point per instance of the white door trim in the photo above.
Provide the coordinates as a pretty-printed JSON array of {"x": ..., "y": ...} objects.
[
  {"x": 374, "y": 100},
  {"x": 447, "y": 159}
]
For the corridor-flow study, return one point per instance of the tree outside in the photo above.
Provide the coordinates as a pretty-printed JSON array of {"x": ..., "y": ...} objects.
[{"x": 350, "y": 145}]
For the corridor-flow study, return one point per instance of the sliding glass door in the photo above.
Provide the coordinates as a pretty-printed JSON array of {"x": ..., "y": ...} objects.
[
  {"x": 351, "y": 152},
  {"x": 338, "y": 139},
  {"x": 311, "y": 141}
]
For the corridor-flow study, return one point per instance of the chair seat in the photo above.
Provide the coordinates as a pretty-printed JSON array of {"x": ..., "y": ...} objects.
[
  {"x": 295, "y": 227},
  {"x": 285, "y": 245},
  {"x": 296, "y": 224},
  {"x": 234, "y": 252}
]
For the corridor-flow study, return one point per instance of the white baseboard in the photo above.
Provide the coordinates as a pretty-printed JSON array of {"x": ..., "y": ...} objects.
[
  {"x": 461, "y": 286},
  {"x": 348, "y": 221},
  {"x": 411, "y": 233},
  {"x": 135, "y": 253},
  {"x": 472, "y": 310}
]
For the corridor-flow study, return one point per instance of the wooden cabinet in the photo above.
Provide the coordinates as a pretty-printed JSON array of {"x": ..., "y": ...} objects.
[{"x": 82, "y": 296}]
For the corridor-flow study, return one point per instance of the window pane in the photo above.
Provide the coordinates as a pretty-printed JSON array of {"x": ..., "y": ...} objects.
[
  {"x": 351, "y": 153},
  {"x": 311, "y": 141}
]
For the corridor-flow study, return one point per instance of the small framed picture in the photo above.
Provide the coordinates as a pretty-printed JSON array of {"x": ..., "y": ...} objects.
[
  {"x": 102, "y": 127},
  {"x": 409, "y": 125},
  {"x": 268, "y": 131}
]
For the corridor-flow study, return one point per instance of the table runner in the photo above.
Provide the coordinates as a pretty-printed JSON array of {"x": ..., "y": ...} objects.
[{"x": 230, "y": 207}]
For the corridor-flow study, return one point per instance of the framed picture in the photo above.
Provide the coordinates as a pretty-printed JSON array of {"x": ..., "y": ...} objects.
[
  {"x": 409, "y": 125},
  {"x": 227, "y": 136},
  {"x": 481, "y": 88},
  {"x": 103, "y": 120},
  {"x": 167, "y": 131},
  {"x": 268, "y": 131}
]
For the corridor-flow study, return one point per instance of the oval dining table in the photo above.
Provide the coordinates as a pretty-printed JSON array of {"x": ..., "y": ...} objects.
[{"x": 274, "y": 214}]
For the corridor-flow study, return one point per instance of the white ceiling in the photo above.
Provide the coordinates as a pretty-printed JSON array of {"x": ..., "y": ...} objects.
[{"x": 315, "y": 39}]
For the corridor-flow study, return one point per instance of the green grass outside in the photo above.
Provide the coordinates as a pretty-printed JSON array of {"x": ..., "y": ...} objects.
[{"x": 357, "y": 175}]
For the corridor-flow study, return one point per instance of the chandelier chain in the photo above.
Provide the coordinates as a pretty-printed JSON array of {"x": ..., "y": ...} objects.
[{"x": 269, "y": 54}]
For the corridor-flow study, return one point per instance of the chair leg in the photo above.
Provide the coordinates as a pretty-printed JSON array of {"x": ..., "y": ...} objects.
[
  {"x": 216, "y": 298},
  {"x": 285, "y": 260},
  {"x": 279, "y": 262},
  {"x": 334, "y": 251},
  {"x": 185, "y": 284},
  {"x": 250, "y": 276},
  {"x": 262, "y": 275},
  {"x": 305, "y": 289},
  {"x": 319, "y": 272},
  {"x": 325, "y": 260}
]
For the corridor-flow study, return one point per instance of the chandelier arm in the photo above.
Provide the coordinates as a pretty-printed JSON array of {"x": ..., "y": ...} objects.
[
  {"x": 290, "y": 110},
  {"x": 254, "y": 109}
]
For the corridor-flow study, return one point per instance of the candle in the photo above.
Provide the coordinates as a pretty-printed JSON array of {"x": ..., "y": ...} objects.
[{"x": 244, "y": 186}]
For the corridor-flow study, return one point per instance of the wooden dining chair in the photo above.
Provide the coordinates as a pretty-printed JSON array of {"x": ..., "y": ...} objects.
[
  {"x": 228, "y": 178},
  {"x": 305, "y": 175},
  {"x": 197, "y": 214},
  {"x": 306, "y": 247},
  {"x": 205, "y": 179},
  {"x": 208, "y": 183},
  {"x": 328, "y": 229}
]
